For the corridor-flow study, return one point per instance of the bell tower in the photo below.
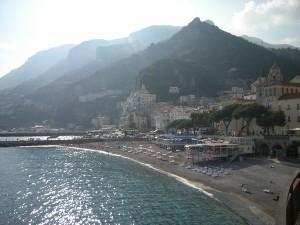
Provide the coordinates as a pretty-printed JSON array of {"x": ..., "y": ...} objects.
[{"x": 274, "y": 75}]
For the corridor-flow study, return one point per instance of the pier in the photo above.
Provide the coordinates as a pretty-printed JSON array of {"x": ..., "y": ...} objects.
[
  {"x": 27, "y": 134},
  {"x": 35, "y": 142},
  {"x": 47, "y": 142}
]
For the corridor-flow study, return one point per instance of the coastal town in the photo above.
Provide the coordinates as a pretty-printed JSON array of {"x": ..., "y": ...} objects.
[
  {"x": 204, "y": 141},
  {"x": 142, "y": 111},
  {"x": 266, "y": 117}
]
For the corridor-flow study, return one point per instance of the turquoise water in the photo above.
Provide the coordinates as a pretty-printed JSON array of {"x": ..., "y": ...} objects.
[{"x": 62, "y": 186}]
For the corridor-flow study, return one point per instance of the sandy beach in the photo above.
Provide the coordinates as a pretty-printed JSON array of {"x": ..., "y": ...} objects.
[{"x": 250, "y": 188}]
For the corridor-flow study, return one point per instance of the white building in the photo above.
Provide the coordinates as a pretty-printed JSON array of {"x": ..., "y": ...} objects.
[
  {"x": 187, "y": 99},
  {"x": 251, "y": 97},
  {"x": 234, "y": 93},
  {"x": 237, "y": 92},
  {"x": 140, "y": 100},
  {"x": 174, "y": 90},
  {"x": 290, "y": 105},
  {"x": 138, "y": 106},
  {"x": 164, "y": 114},
  {"x": 279, "y": 95},
  {"x": 100, "y": 121},
  {"x": 275, "y": 94},
  {"x": 180, "y": 112}
]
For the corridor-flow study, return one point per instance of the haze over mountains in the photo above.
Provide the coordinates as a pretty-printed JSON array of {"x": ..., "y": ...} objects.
[
  {"x": 91, "y": 78},
  {"x": 262, "y": 43},
  {"x": 35, "y": 66},
  {"x": 96, "y": 53}
]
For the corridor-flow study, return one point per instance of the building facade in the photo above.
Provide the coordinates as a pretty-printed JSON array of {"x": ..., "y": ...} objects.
[
  {"x": 137, "y": 108},
  {"x": 272, "y": 87},
  {"x": 164, "y": 113},
  {"x": 290, "y": 105},
  {"x": 277, "y": 95}
]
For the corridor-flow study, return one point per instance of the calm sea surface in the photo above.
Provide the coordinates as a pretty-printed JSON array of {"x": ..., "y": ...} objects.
[{"x": 60, "y": 186}]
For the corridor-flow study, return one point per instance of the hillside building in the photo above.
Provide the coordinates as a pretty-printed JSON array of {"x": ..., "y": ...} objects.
[
  {"x": 100, "y": 121},
  {"x": 174, "y": 90},
  {"x": 187, "y": 99},
  {"x": 234, "y": 93},
  {"x": 141, "y": 99},
  {"x": 272, "y": 87},
  {"x": 279, "y": 95},
  {"x": 137, "y": 108},
  {"x": 272, "y": 92},
  {"x": 165, "y": 113},
  {"x": 290, "y": 105}
]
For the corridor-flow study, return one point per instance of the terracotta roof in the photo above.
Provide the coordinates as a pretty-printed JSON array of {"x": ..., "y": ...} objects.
[
  {"x": 283, "y": 84},
  {"x": 290, "y": 96},
  {"x": 296, "y": 79},
  {"x": 292, "y": 84}
]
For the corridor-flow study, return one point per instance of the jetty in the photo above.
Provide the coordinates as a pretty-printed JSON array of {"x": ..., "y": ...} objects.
[{"x": 57, "y": 141}]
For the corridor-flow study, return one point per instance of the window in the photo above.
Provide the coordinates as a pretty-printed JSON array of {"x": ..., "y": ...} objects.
[
  {"x": 289, "y": 119},
  {"x": 298, "y": 119},
  {"x": 292, "y": 91},
  {"x": 282, "y": 90},
  {"x": 298, "y": 106},
  {"x": 266, "y": 93},
  {"x": 287, "y": 90},
  {"x": 296, "y": 90},
  {"x": 288, "y": 107},
  {"x": 274, "y": 91}
]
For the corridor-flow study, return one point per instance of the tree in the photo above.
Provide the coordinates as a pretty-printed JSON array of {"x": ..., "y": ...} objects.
[
  {"x": 131, "y": 124},
  {"x": 265, "y": 121},
  {"x": 225, "y": 115},
  {"x": 279, "y": 118},
  {"x": 270, "y": 119},
  {"x": 201, "y": 120},
  {"x": 181, "y": 124},
  {"x": 248, "y": 112}
]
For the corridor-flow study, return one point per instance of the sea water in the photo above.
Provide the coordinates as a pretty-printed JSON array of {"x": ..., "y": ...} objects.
[{"x": 55, "y": 185}]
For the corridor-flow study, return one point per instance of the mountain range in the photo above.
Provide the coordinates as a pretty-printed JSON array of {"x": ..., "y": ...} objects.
[
  {"x": 96, "y": 75},
  {"x": 35, "y": 66},
  {"x": 79, "y": 60},
  {"x": 262, "y": 43}
]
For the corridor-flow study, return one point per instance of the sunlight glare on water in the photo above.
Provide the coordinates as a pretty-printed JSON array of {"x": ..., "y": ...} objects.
[{"x": 62, "y": 186}]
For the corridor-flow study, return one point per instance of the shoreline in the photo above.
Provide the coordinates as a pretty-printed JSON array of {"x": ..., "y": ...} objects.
[
  {"x": 176, "y": 177},
  {"x": 250, "y": 211}
]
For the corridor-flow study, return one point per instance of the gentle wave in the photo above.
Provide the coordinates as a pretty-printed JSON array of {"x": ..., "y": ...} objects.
[
  {"x": 71, "y": 185},
  {"x": 178, "y": 178}
]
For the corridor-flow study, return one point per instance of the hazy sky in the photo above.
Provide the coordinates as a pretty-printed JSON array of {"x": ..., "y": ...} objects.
[{"x": 27, "y": 26}]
